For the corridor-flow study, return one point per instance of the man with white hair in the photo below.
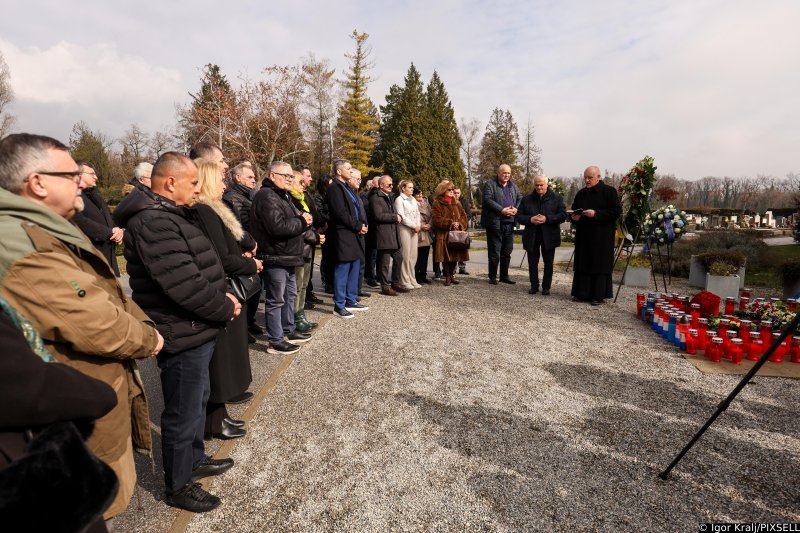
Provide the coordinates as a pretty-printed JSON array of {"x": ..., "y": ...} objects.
[
  {"x": 141, "y": 175},
  {"x": 500, "y": 200},
  {"x": 541, "y": 213}
]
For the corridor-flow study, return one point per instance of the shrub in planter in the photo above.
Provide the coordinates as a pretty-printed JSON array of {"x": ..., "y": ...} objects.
[
  {"x": 724, "y": 261},
  {"x": 747, "y": 243}
]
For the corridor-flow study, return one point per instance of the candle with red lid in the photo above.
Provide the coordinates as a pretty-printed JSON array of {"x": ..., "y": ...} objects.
[
  {"x": 726, "y": 343},
  {"x": 745, "y": 292},
  {"x": 795, "y": 350},
  {"x": 744, "y": 301},
  {"x": 640, "y": 302},
  {"x": 791, "y": 304},
  {"x": 780, "y": 351},
  {"x": 695, "y": 311},
  {"x": 716, "y": 350},
  {"x": 756, "y": 348},
  {"x": 766, "y": 331},
  {"x": 730, "y": 305},
  {"x": 692, "y": 342},
  {"x": 702, "y": 327},
  {"x": 735, "y": 351},
  {"x": 710, "y": 336}
]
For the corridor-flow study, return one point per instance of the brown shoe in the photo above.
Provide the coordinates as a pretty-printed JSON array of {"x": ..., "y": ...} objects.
[
  {"x": 454, "y": 281},
  {"x": 447, "y": 281},
  {"x": 388, "y": 291},
  {"x": 399, "y": 289}
]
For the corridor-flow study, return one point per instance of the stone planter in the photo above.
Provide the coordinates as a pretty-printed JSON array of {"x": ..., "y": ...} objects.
[
  {"x": 723, "y": 286},
  {"x": 791, "y": 288},
  {"x": 697, "y": 274},
  {"x": 636, "y": 277}
]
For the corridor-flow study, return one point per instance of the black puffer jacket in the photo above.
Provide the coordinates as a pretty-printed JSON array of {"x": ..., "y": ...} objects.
[
  {"x": 175, "y": 274},
  {"x": 239, "y": 199},
  {"x": 277, "y": 227}
]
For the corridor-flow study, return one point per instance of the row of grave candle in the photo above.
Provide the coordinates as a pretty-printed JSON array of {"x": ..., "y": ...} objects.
[
  {"x": 730, "y": 303},
  {"x": 690, "y": 332}
]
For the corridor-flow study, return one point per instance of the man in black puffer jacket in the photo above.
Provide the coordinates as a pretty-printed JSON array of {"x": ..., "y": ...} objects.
[
  {"x": 178, "y": 281},
  {"x": 278, "y": 227}
]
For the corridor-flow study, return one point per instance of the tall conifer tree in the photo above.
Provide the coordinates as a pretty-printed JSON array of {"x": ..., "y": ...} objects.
[
  {"x": 443, "y": 139},
  {"x": 500, "y": 145},
  {"x": 358, "y": 117}
]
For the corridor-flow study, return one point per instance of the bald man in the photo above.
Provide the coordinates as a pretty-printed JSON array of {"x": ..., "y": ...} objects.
[{"x": 595, "y": 211}]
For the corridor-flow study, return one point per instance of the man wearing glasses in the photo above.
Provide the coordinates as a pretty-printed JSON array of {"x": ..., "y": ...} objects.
[
  {"x": 278, "y": 229},
  {"x": 53, "y": 276},
  {"x": 239, "y": 196},
  {"x": 95, "y": 219}
]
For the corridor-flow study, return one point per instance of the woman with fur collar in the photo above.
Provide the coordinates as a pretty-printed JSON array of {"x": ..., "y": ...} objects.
[{"x": 229, "y": 371}]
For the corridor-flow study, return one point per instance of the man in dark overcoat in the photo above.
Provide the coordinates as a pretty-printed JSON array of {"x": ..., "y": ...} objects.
[
  {"x": 347, "y": 226},
  {"x": 95, "y": 219},
  {"x": 541, "y": 212},
  {"x": 594, "y": 238},
  {"x": 383, "y": 221}
]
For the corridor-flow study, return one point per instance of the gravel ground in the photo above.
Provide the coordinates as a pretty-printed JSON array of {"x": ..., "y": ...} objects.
[{"x": 479, "y": 407}]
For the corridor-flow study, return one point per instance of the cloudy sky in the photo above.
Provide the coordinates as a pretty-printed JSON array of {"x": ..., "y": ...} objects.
[{"x": 707, "y": 87}]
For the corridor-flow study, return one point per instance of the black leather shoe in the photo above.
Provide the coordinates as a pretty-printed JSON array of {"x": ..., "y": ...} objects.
[
  {"x": 364, "y": 294},
  {"x": 233, "y": 422},
  {"x": 508, "y": 280},
  {"x": 241, "y": 398},
  {"x": 227, "y": 433},
  {"x": 255, "y": 329},
  {"x": 308, "y": 306},
  {"x": 463, "y": 272},
  {"x": 313, "y": 298},
  {"x": 192, "y": 498},
  {"x": 298, "y": 338},
  {"x": 492, "y": 281},
  {"x": 211, "y": 467},
  {"x": 534, "y": 291},
  {"x": 251, "y": 339},
  {"x": 372, "y": 283},
  {"x": 545, "y": 292}
]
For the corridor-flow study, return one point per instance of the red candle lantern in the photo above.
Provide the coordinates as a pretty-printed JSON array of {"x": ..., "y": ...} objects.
[
  {"x": 745, "y": 292},
  {"x": 640, "y": 299},
  {"x": 692, "y": 342},
  {"x": 756, "y": 348},
  {"x": 780, "y": 351},
  {"x": 716, "y": 350},
  {"x": 730, "y": 335},
  {"x": 736, "y": 351},
  {"x": 695, "y": 312},
  {"x": 766, "y": 330},
  {"x": 710, "y": 336},
  {"x": 791, "y": 304},
  {"x": 730, "y": 305},
  {"x": 744, "y": 301},
  {"x": 723, "y": 327},
  {"x": 702, "y": 327},
  {"x": 795, "y": 350}
]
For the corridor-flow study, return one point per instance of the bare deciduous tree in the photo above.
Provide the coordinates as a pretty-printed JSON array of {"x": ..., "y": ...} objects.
[
  {"x": 470, "y": 146},
  {"x": 7, "y": 120}
]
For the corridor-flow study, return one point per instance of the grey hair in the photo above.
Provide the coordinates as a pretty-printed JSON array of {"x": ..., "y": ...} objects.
[
  {"x": 275, "y": 165},
  {"x": 20, "y": 156},
  {"x": 141, "y": 169},
  {"x": 546, "y": 179},
  {"x": 339, "y": 163}
]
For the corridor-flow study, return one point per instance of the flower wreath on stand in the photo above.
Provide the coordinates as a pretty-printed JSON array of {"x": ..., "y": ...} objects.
[
  {"x": 557, "y": 186},
  {"x": 665, "y": 225},
  {"x": 634, "y": 194}
]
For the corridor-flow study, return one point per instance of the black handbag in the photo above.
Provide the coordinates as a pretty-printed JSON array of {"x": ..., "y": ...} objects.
[
  {"x": 458, "y": 240},
  {"x": 244, "y": 286}
]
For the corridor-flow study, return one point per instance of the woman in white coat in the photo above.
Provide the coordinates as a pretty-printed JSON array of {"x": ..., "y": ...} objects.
[{"x": 410, "y": 225}]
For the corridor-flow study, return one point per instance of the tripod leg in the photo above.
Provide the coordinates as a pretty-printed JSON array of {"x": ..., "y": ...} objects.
[{"x": 727, "y": 401}]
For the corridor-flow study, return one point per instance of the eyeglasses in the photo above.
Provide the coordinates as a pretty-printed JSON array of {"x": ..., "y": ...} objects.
[
  {"x": 450, "y": 190},
  {"x": 74, "y": 176},
  {"x": 287, "y": 177}
]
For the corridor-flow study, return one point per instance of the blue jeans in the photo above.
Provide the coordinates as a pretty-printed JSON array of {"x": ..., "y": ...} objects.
[
  {"x": 186, "y": 387},
  {"x": 345, "y": 283},
  {"x": 281, "y": 292},
  {"x": 500, "y": 243}
]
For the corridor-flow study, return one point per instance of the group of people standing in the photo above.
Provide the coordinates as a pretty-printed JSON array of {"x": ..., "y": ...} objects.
[{"x": 188, "y": 229}]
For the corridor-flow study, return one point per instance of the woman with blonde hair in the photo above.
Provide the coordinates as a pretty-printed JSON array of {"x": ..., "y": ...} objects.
[
  {"x": 447, "y": 214},
  {"x": 229, "y": 371},
  {"x": 410, "y": 225},
  {"x": 311, "y": 238}
]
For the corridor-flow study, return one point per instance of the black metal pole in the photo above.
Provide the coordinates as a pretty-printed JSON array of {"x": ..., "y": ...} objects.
[
  {"x": 628, "y": 260},
  {"x": 727, "y": 401}
]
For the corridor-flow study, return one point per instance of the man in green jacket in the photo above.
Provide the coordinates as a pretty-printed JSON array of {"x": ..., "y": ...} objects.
[{"x": 53, "y": 276}]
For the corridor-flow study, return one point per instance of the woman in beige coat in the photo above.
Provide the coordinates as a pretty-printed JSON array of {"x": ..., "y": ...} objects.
[{"x": 410, "y": 225}]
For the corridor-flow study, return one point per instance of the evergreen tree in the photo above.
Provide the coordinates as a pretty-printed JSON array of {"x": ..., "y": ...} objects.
[
  {"x": 403, "y": 149},
  {"x": 443, "y": 139},
  {"x": 91, "y": 146},
  {"x": 358, "y": 117},
  {"x": 500, "y": 145}
]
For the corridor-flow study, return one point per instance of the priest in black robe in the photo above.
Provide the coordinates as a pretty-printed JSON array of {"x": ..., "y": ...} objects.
[{"x": 596, "y": 221}]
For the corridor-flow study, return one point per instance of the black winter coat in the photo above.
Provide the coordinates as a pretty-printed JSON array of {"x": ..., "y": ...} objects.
[
  {"x": 229, "y": 370},
  {"x": 175, "y": 275},
  {"x": 382, "y": 221},
  {"x": 239, "y": 199},
  {"x": 277, "y": 226},
  {"x": 594, "y": 237},
  {"x": 345, "y": 223},
  {"x": 96, "y": 222},
  {"x": 550, "y": 205}
]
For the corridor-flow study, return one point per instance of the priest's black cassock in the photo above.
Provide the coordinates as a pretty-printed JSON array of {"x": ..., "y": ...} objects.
[{"x": 594, "y": 242}]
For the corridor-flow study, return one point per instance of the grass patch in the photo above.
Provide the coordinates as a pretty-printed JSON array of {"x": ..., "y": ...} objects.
[{"x": 768, "y": 276}]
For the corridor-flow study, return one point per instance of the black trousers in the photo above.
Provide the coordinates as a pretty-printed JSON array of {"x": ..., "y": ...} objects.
[
  {"x": 386, "y": 275},
  {"x": 533, "y": 265},
  {"x": 500, "y": 244},
  {"x": 421, "y": 268}
]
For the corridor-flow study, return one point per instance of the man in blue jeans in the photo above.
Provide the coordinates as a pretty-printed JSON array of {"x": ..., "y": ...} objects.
[
  {"x": 501, "y": 198},
  {"x": 278, "y": 227},
  {"x": 176, "y": 278}
]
